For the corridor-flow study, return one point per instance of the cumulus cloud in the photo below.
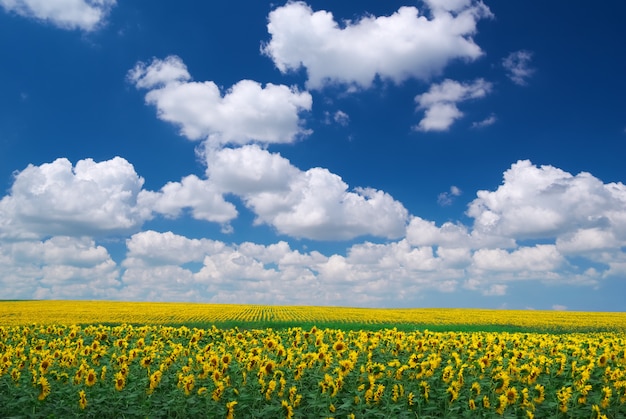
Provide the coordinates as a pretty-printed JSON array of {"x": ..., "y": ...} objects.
[
  {"x": 537, "y": 258},
  {"x": 405, "y": 45},
  {"x": 60, "y": 267},
  {"x": 541, "y": 202},
  {"x": 312, "y": 204},
  {"x": 440, "y": 102},
  {"x": 154, "y": 248},
  {"x": 57, "y": 198},
  {"x": 517, "y": 65},
  {"x": 421, "y": 257},
  {"x": 85, "y": 15},
  {"x": 422, "y": 232},
  {"x": 200, "y": 196},
  {"x": 371, "y": 274},
  {"x": 244, "y": 113}
]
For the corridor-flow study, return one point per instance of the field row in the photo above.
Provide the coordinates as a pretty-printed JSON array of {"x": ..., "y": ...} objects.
[
  {"x": 94, "y": 312},
  {"x": 161, "y": 371}
]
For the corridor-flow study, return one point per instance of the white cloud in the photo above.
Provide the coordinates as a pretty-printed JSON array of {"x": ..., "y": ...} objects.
[
  {"x": 312, "y": 204},
  {"x": 86, "y": 15},
  {"x": 541, "y": 257},
  {"x": 159, "y": 73},
  {"x": 425, "y": 257},
  {"x": 245, "y": 113},
  {"x": 495, "y": 290},
  {"x": 440, "y": 102},
  {"x": 518, "y": 67},
  {"x": 587, "y": 240},
  {"x": 422, "y": 232},
  {"x": 446, "y": 198},
  {"x": 154, "y": 248},
  {"x": 58, "y": 199},
  {"x": 60, "y": 267},
  {"x": 404, "y": 45},
  {"x": 205, "y": 202},
  {"x": 542, "y": 202},
  {"x": 341, "y": 118},
  {"x": 490, "y": 120},
  {"x": 264, "y": 171}
]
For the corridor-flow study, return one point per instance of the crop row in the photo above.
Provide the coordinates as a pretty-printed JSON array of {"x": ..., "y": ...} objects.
[{"x": 94, "y": 312}]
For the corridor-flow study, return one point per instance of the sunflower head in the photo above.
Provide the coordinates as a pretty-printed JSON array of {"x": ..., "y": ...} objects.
[{"x": 90, "y": 378}]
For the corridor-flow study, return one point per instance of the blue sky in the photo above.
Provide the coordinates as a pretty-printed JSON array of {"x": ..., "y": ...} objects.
[{"x": 444, "y": 153}]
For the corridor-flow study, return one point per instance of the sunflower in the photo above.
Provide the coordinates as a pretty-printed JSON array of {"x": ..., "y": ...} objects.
[
  {"x": 268, "y": 367},
  {"x": 414, "y": 360},
  {"x": 502, "y": 404},
  {"x": 82, "y": 399},
  {"x": 218, "y": 391},
  {"x": 339, "y": 346},
  {"x": 188, "y": 384},
  {"x": 230, "y": 409},
  {"x": 146, "y": 361},
  {"x": 502, "y": 380},
  {"x": 564, "y": 395},
  {"x": 287, "y": 408},
  {"x": 15, "y": 374},
  {"x": 476, "y": 388},
  {"x": 90, "y": 378},
  {"x": 45, "y": 364},
  {"x": 425, "y": 389},
  {"x": 454, "y": 394},
  {"x": 120, "y": 381},
  {"x": 45, "y": 387},
  {"x": 606, "y": 397},
  {"x": 155, "y": 379},
  {"x": 541, "y": 394}
]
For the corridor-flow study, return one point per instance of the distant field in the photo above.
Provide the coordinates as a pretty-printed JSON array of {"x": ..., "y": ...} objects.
[{"x": 251, "y": 316}]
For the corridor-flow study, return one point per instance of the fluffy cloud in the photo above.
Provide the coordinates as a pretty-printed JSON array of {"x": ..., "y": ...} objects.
[
  {"x": 153, "y": 248},
  {"x": 422, "y": 232},
  {"x": 205, "y": 202},
  {"x": 59, "y": 199},
  {"x": 313, "y": 204},
  {"x": 264, "y": 171},
  {"x": 484, "y": 258},
  {"x": 587, "y": 240},
  {"x": 244, "y": 113},
  {"x": 60, "y": 267},
  {"x": 440, "y": 102},
  {"x": 397, "y": 47},
  {"x": 517, "y": 65},
  {"x": 371, "y": 274},
  {"x": 67, "y": 14},
  {"x": 537, "y": 258},
  {"x": 543, "y": 202}
]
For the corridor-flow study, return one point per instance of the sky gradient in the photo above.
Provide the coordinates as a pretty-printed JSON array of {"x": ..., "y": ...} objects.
[{"x": 440, "y": 153}]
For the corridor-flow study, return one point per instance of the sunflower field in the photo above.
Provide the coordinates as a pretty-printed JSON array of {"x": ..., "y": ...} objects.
[{"x": 92, "y": 368}]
